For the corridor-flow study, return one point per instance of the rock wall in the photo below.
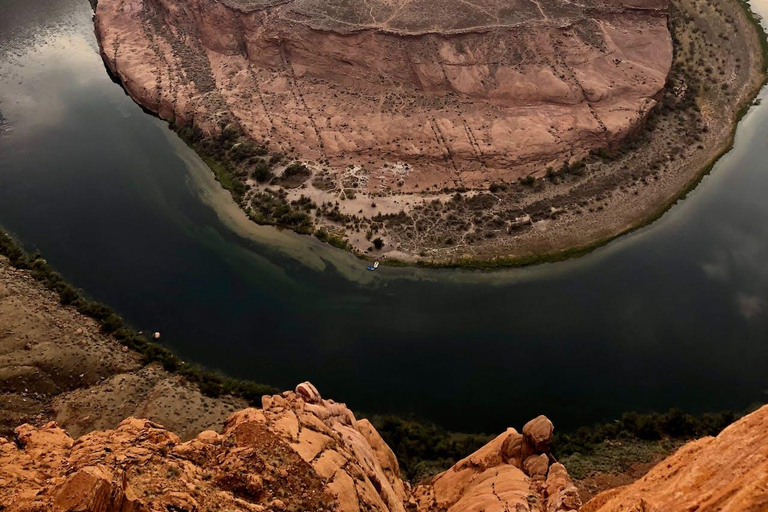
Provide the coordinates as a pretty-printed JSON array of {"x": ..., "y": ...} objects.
[
  {"x": 727, "y": 473},
  {"x": 464, "y": 93},
  {"x": 303, "y": 453},
  {"x": 299, "y": 452}
]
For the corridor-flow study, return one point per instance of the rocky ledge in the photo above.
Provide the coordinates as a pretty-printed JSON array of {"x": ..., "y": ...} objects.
[
  {"x": 299, "y": 452},
  {"x": 303, "y": 453}
]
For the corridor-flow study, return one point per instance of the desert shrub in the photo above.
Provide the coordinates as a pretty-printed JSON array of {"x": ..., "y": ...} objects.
[
  {"x": 424, "y": 449},
  {"x": 211, "y": 384}
]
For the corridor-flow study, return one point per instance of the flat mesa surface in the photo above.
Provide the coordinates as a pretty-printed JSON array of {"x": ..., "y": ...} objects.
[{"x": 436, "y": 16}]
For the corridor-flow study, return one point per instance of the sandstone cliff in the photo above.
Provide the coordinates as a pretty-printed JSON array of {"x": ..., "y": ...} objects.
[
  {"x": 727, "y": 473},
  {"x": 303, "y": 453},
  {"x": 57, "y": 364},
  {"x": 424, "y": 93},
  {"x": 300, "y": 452}
]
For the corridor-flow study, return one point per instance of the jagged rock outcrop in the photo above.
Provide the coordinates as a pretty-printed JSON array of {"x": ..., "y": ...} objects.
[
  {"x": 512, "y": 472},
  {"x": 299, "y": 452},
  {"x": 303, "y": 453},
  {"x": 727, "y": 473},
  {"x": 423, "y": 92}
]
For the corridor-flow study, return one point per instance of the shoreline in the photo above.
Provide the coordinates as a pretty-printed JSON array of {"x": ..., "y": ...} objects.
[
  {"x": 576, "y": 252},
  {"x": 532, "y": 246},
  {"x": 531, "y": 251}
]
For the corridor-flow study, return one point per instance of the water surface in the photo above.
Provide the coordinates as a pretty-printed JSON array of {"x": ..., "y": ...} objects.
[{"x": 675, "y": 314}]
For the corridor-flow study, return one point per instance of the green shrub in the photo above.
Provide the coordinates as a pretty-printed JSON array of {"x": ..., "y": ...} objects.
[{"x": 211, "y": 384}]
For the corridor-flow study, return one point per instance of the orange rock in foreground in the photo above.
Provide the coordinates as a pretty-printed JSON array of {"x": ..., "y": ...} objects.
[
  {"x": 303, "y": 453},
  {"x": 727, "y": 473}
]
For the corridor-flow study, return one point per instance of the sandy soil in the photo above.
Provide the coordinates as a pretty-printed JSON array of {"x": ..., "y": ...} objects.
[{"x": 55, "y": 364}]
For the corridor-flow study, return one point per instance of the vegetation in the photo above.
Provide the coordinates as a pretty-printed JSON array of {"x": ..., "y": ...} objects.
[
  {"x": 335, "y": 240},
  {"x": 210, "y": 383},
  {"x": 424, "y": 449},
  {"x": 293, "y": 176},
  {"x": 634, "y": 438},
  {"x": 674, "y": 424},
  {"x": 222, "y": 153},
  {"x": 272, "y": 208}
]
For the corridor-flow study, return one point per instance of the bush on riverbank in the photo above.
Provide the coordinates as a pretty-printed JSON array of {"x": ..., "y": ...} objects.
[
  {"x": 674, "y": 424},
  {"x": 210, "y": 383},
  {"x": 424, "y": 449}
]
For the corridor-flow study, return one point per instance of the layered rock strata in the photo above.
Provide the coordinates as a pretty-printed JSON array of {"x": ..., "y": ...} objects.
[{"x": 420, "y": 93}]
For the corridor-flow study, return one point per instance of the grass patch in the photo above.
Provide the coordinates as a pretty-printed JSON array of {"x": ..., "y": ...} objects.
[{"x": 617, "y": 456}]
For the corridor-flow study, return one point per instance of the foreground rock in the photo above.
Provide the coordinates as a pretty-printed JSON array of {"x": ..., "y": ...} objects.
[
  {"x": 512, "y": 472},
  {"x": 727, "y": 473},
  {"x": 303, "y": 453},
  {"x": 299, "y": 452}
]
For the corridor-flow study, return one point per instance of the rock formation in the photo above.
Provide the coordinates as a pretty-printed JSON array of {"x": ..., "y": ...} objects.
[
  {"x": 299, "y": 452},
  {"x": 727, "y": 473},
  {"x": 303, "y": 453},
  {"x": 421, "y": 92},
  {"x": 512, "y": 472},
  {"x": 444, "y": 131}
]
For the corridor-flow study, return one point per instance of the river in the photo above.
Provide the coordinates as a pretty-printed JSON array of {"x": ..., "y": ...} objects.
[{"x": 673, "y": 315}]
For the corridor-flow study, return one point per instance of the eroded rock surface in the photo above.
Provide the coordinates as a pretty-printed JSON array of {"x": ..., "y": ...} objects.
[
  {"x": 304, "y": 453},
  {"x": 727, "y": 473},
  {"x": 422, "y": 92},
  {"x": 498, "y": 477},
  {"x": 299, "y": 452}
]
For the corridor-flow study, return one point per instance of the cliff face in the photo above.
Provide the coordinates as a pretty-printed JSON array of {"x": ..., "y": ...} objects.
[
  {"x": 303, "y": 453},
  {"x": 56, "y": 364},
  {"x": 461, "y": 92},
  {"x": 300, "y": 452},
  {"x": 727, "y": 473}
]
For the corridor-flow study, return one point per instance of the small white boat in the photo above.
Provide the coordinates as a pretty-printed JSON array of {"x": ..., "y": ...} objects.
[{"x": 374, "y": 266}]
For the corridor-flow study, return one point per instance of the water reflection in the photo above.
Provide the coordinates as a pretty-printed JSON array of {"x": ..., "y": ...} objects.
[{"x": 672, "y": 315}]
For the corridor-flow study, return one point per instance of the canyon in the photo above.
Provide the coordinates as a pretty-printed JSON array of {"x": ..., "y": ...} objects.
[
  {"x": 301, "y": 452},
  {"x": 433, "y": 94},
  {"x": 80, "y": 430},
  {"x": 443, "y": 133}
]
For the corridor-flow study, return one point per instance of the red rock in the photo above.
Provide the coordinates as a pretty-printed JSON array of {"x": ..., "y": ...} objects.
[{"x": 538, "y": 434}]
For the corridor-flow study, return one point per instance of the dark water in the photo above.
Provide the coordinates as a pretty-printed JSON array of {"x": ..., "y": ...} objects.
[{"x": 673, "y": 315}]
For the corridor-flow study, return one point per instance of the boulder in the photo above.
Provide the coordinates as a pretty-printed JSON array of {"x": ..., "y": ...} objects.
[
  {"x": 90, "y": 489},
  {"x": 308, "y": 392},
  {"x": 538, "y": 434},
  {"x": 561, "y": 493},
  {"x": 536, "y": 466}
]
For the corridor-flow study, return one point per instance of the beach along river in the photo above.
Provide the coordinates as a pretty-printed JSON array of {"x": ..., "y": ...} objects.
[{"x": 673, "y": 315}]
